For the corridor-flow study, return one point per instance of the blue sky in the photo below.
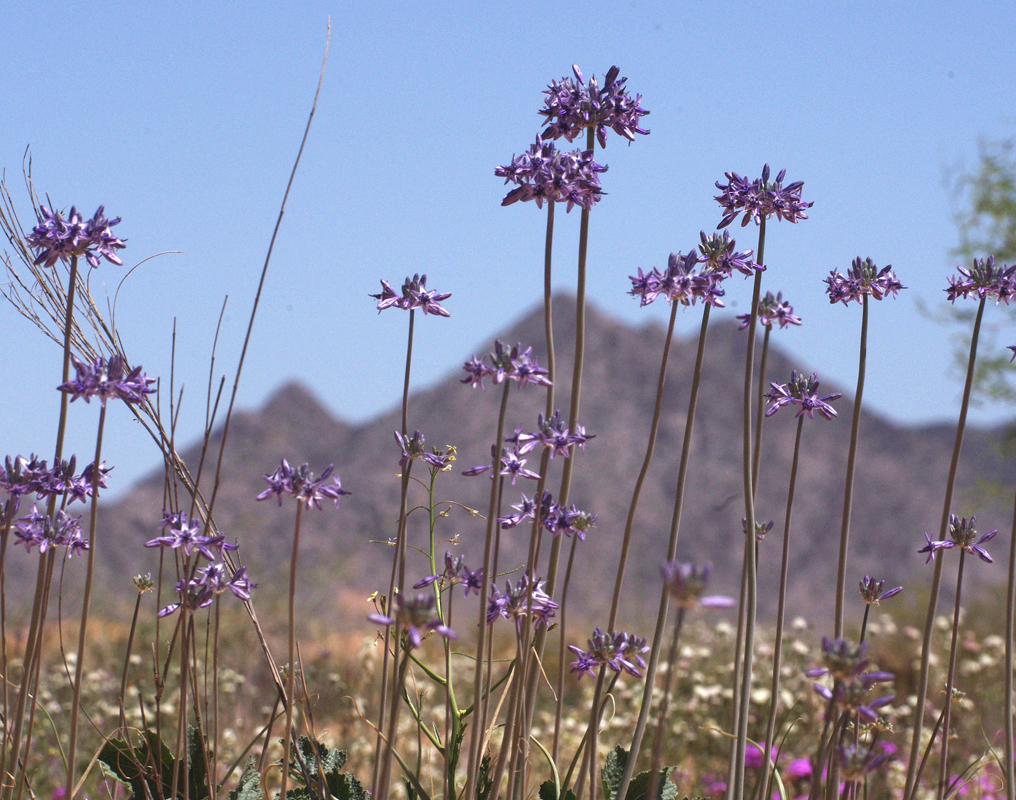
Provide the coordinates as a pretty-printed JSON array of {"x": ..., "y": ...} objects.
[{"x": 184, "y": 119}]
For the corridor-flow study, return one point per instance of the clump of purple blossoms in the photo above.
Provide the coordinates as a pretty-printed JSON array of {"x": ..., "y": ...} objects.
[
  {"x": 686, "y": 582},
  {"x": 59, "y": 239},
  {"x": 847, "y": 666},
  {"x": 21, "y": 476},
  {"x": 856, "y": 761},
  {"x": 301, "y": 484},
  {"x": 572, "y": 106},
  {"x": 415, "y": 616},
  {"x": 863, "y": 278},
  {"x": 873, "y": 591},
  {"x": 619, "y": 651},
  {"x": 983, "y": 279},
  {"x": 554, "y": 434},
  {"x": 208, "y": 583},
  {"x": 679, "y": 282},
  {"x": 555, "y": 518},
  {"x": 414, "y": 295},
  {"x": 961, "y": 535},
  {"x": 413, "y": 448},
  {"x": 771, "y": 309},
  {"x": 759, "y": 199},
  {"x": 545, "y": 173},
  {"x": 802, "y": 392},
  {"x": 455, "y": 572},
  {"x": 105, "y": 378},
  {"x": 516, "y": 602},
  {"x": 182, "y": 532},
  {"x": 718, "y": 254},
  {"x": 515, "y": 363},
  {"x": 40, "y": 530},
  {"x": 761, "y": 528}
]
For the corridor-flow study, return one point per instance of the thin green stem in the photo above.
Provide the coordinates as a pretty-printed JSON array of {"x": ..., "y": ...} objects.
[
  {"x": 675, "y": 527},
  {"x": 774, "y": 693},
  {"x": 405, "y": 384},
  {"x": 848, "y": 489},
  {"x": 936, "y": 581},
  {"x": 291, "y": 672},
  {"x": 475, "y": 738},
  {"x": 943, "y": 769},
  {"x": 85, "y": 603},
  {"x": 661, "y": 724},
  {"x": 760, "y": 410},
  {"x": 646, "y": 461},
  {"x": 1010, "y": 755}
]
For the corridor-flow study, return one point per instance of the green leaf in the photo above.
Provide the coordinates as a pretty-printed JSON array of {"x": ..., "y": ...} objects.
[
  {"x": 249, "y": 785},
  {"x": 484, "y": 780},
  {"x": 338, "y": 784},
  {"x": 613, "y": 771},
  {"x": 638, "y": 789},
  {"x": 548, "y": 791}
]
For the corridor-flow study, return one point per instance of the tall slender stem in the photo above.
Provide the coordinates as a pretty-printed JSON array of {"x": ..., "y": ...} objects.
[
  {"x": 943, "y": 770},
  {"x": 848, "y": 489},
  {"x": 774, "y": 693},
  {"x": 936, "y": 580},
  {"x": 1010, "y": 755},
  {"x": 291, "y": 672},
  {"x": 675, "y": 527}
]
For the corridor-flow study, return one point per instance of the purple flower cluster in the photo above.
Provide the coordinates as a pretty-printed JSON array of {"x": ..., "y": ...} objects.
[
  {"x": 555, "y": 518},
  {"x": 413, "y": 448},
  {"x": 22, "y": 476},
  {"x": 983, "y": 279},
  {"x": 511, "y": 466},
  {"x": 873, "y": 591},
  {"x": 40, "y": 530},
  {"x": 59, "y": 239},
  {"x": 761, "y": 528},
  {"x": 455, "y": 572},
  {"x": 301, "y": 484},
  {"x": 686, "y": 582},
  {"x": 863, "y": 278},
  {"x": 572, "y": 106},
  {"x": 619, "y": 651},
  {"x": 961, "y": 535},
  {"x": 182, "y": 532},
  {"x": 554, "y": 434},
  {"x": 415, "y": 616},
  {"x": 515, "y": 363},
  {"x": 679, "y": 282},
  {"x": 856, "y": 761},
  {"x": 802, "y": 392},
  {"x": 105, "y": 378},
  {"x": 208, "y": 583},
  {"x": 772, "y": 309},
  {"x": 516, "y": 602},
  {"x": 414, "y": 295},
  {"x": 759, "y": 199},
  {"x": 718, "y": 255},
  {"x": 847, "y": 666},
  {"x": 545, "y": 173}
]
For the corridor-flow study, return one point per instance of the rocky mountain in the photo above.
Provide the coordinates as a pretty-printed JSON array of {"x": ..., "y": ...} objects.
[{"x": 344, "y": 556}]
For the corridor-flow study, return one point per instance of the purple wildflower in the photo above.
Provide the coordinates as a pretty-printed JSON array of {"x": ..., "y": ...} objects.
[
  {"x": 873, "y": 591},
  {"x": 208, "y": 583},
  {"x": 544, "y": 173},
  {"x": 40, "y": 530},
  {"x": 803, "y": 393},
  {"x": 515, "y": 363},
  {"x": 575, "y": 105},
  {"x": 182, "y": 532},
  {"x": 302, "y": 484},
  {"x": 863, "y": 278},
  {"x": 718, "y": 254},
  {"x": 455, "y": 572},
  {"x": 414, "y": 295},
  {"x": 686, "y": 582},
  {"x": 983, "y": 279},
  {"x": 416, "y": 617},
  {"x": 105, "y": 378},
  {"x": 772, "y": 309},
  {"x": 760, "y": 199},
  {"x": 761, "y": 528},
  {"x": 553, "y": 433},
  {"x": 856, "y": 761},
  {"x": 620, "y": 651},
  {"x": 961, "y": 535},
  {"x": 59, "y": 239},
  {"x": 516, "y": 602},
  {"x": 679, "y": 282}
]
